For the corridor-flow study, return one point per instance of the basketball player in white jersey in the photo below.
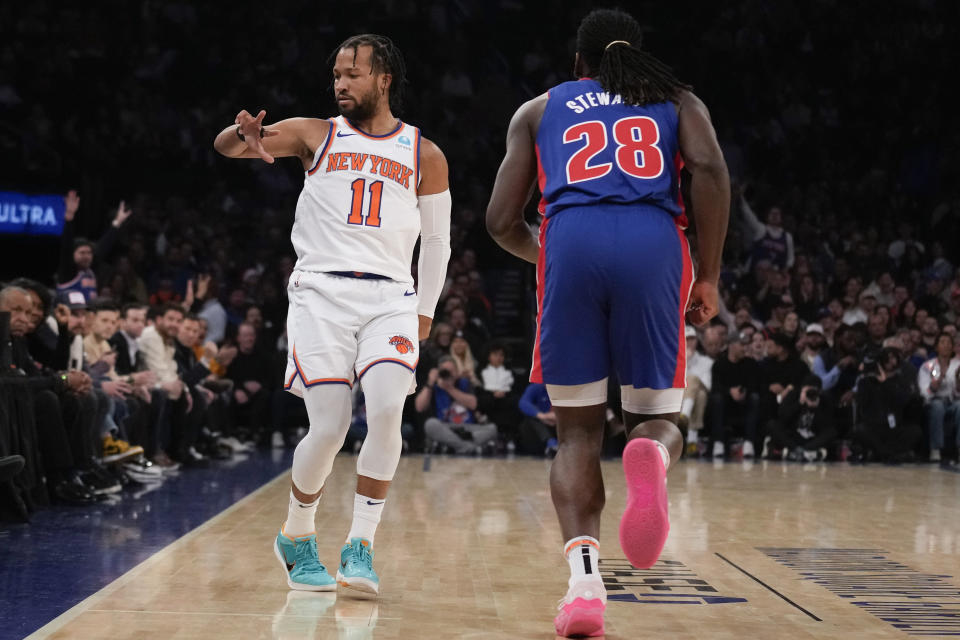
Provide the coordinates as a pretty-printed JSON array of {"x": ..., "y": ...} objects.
[{"x": 372, "y": 186}]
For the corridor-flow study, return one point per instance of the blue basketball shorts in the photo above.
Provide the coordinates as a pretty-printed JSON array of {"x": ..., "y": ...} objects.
[{"x": 613, "y": 284}]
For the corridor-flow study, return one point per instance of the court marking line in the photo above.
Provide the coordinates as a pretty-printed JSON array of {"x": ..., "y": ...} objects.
[
  {"x": 229, "y": 613},
  {"x": 83, "y": 606},
  {"x": 768, "y": 587}
]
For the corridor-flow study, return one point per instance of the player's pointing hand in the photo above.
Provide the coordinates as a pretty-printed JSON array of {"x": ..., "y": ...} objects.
[{"x": 252, "y": 131}]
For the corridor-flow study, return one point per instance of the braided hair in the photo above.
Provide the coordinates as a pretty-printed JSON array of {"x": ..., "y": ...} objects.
[
  {"x": 385, "y": 58},
  {"x": 609, "y": 40}
]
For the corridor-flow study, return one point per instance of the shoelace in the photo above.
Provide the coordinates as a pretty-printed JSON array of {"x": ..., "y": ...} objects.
[
  {"x": 362, "y": 554},
  {"x": 306, "y": 554}
]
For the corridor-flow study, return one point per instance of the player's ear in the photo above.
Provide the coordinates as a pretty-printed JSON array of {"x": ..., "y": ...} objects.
[
  {"x": 578, "y": 66},
  {"x": 385, "y": 81}
]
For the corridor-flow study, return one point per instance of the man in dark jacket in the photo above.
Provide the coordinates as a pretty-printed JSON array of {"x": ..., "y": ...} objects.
[
  {"x": 804, "y": 428},
  {"x": 735, "y": 394},
  {"x": 63, "y": 407},
  {"x": 250, "y": 373},
  {"x": 781, "y": 369},
  {"x": 884, "y": 429}
]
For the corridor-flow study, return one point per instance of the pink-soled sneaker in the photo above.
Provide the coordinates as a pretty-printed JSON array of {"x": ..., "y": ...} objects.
[
  {"x": 645, "y": 522},
  {"x": 581, "y": 611}
]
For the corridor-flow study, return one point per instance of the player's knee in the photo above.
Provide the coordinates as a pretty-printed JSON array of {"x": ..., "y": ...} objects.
[
  {"x": 385, "y": 414},
  {"x": 324, "y": 435}
]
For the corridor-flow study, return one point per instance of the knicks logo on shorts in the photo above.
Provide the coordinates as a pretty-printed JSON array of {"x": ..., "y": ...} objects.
[{"x": 403, "y": 345}]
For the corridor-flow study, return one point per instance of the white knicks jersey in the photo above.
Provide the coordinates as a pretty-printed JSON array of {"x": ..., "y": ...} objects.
[{"x": 358, "y": 209}]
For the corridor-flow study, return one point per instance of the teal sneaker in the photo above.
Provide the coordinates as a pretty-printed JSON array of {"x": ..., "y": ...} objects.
[
  {"x": 301, "y": 564},
  {"x": 356, "y": 567}
]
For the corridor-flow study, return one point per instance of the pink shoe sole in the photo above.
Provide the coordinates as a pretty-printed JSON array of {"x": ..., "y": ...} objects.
[
  {"x": 581, "y": 618},
  {"x": 645, "y": 522}
]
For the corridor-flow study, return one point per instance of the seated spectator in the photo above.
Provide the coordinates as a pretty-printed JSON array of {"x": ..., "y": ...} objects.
[
  {"x": 883, "y": 289},
  {"x": 884, "y": 429},
  {"x": 791, "y": 326},
  {"x": 451, "y": 404},
  {"x": 734, "y": 397},
  {"x": 952, "y": 315},
  {"x": 876, "y": 331},
  {"x": 434, "y": 348},
  {"x": 211, "y": 310},
  {"x": 837, "y": 366},
  {"x": 496, "y": 397},
  {"x": 129, "y": 408},
  {"x": 63, "y": 408},
  {"x": 158, "y": 344},
  {"x": 209, "y": 408},
  {"x": 932, "y": 295},
  {"x": 473, "y": 331},
  {"x": 804, "y": 429},
  {"x": 780, "y": 371},
  {"x": 538, "y": 431},
  {"x": 462, "y": 355},
  {"x": 808, "y": 298},
  {"x": 862, "y": 311},
  {"x": 813, "y": 343},
  {"x": 44, "y": 336},
  {"x": 758, "y": 347},
  {"x": 929, "y": 334},
  {"x": 250, "y": 373},
  {"x": 699, "y": 381},
  {"x": 937, "y": 381}
]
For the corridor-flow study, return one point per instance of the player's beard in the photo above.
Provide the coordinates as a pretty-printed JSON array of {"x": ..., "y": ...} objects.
[{"x": 364, "y": 107}]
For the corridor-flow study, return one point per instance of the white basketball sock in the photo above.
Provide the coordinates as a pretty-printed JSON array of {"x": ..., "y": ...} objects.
[
  {"x": 583, "y": 556},
  {"x": 366, "y": 517},
  {"x": 300, "y": 517}
]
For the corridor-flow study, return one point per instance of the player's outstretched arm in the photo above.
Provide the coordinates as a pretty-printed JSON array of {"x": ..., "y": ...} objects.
[
  {"x": 710, "y": 202},
  {"x": 299, "y": 137},
  {"x": 514, "y": 184},
  {"x": 433, "y": 199}
]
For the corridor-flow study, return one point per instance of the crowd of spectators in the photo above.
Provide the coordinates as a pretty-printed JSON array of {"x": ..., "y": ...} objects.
[
  {"x": 828, "y": 356},
  {"x": 165, "y": 337}
]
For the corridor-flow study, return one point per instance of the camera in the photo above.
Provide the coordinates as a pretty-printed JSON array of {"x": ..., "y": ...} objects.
[{"x": 445, "y": 374}]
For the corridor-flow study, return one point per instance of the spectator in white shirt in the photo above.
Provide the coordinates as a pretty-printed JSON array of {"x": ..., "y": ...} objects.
[
  {"x": 699, "y": 381},
  {"x": 158, "y": 345},
  {"x": 863, "y": 310},
  {"x": 497, "y": 379},
  {"x": 883, "y": 289},
  {"x": 937, "y": 380},
  {"x": 496, "y": 397}
]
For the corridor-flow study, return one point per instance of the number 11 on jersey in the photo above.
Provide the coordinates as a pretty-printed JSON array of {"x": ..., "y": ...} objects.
[{"x": 356, "y": 205}]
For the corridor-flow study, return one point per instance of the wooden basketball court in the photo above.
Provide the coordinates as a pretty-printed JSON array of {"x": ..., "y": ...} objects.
[{"x": 470, "y": 548}]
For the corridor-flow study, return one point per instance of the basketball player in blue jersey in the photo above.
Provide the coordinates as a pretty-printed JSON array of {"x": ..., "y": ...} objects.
[
  {"x": 615, "y": 278},
  {"x": 372, "y": 187}
]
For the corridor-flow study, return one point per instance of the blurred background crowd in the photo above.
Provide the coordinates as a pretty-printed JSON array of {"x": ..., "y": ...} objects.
[{"x": 151, "y": 334}]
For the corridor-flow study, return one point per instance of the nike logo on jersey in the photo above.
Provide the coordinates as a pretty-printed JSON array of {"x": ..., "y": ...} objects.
[
  {"x": 341, "y": 134},
  {"x": 389, "y": 169},
  {"x": 410, "y": 293},
  {"x": 373, "y": 503}
]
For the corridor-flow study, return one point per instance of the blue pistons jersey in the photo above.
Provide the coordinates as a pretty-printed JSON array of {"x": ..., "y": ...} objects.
[
  {"x": 615, "y": 271},
  {"x": 593, "y": 149}
]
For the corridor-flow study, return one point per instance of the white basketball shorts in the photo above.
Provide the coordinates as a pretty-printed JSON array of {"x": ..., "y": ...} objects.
[{"x": 338, "y": 327}]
